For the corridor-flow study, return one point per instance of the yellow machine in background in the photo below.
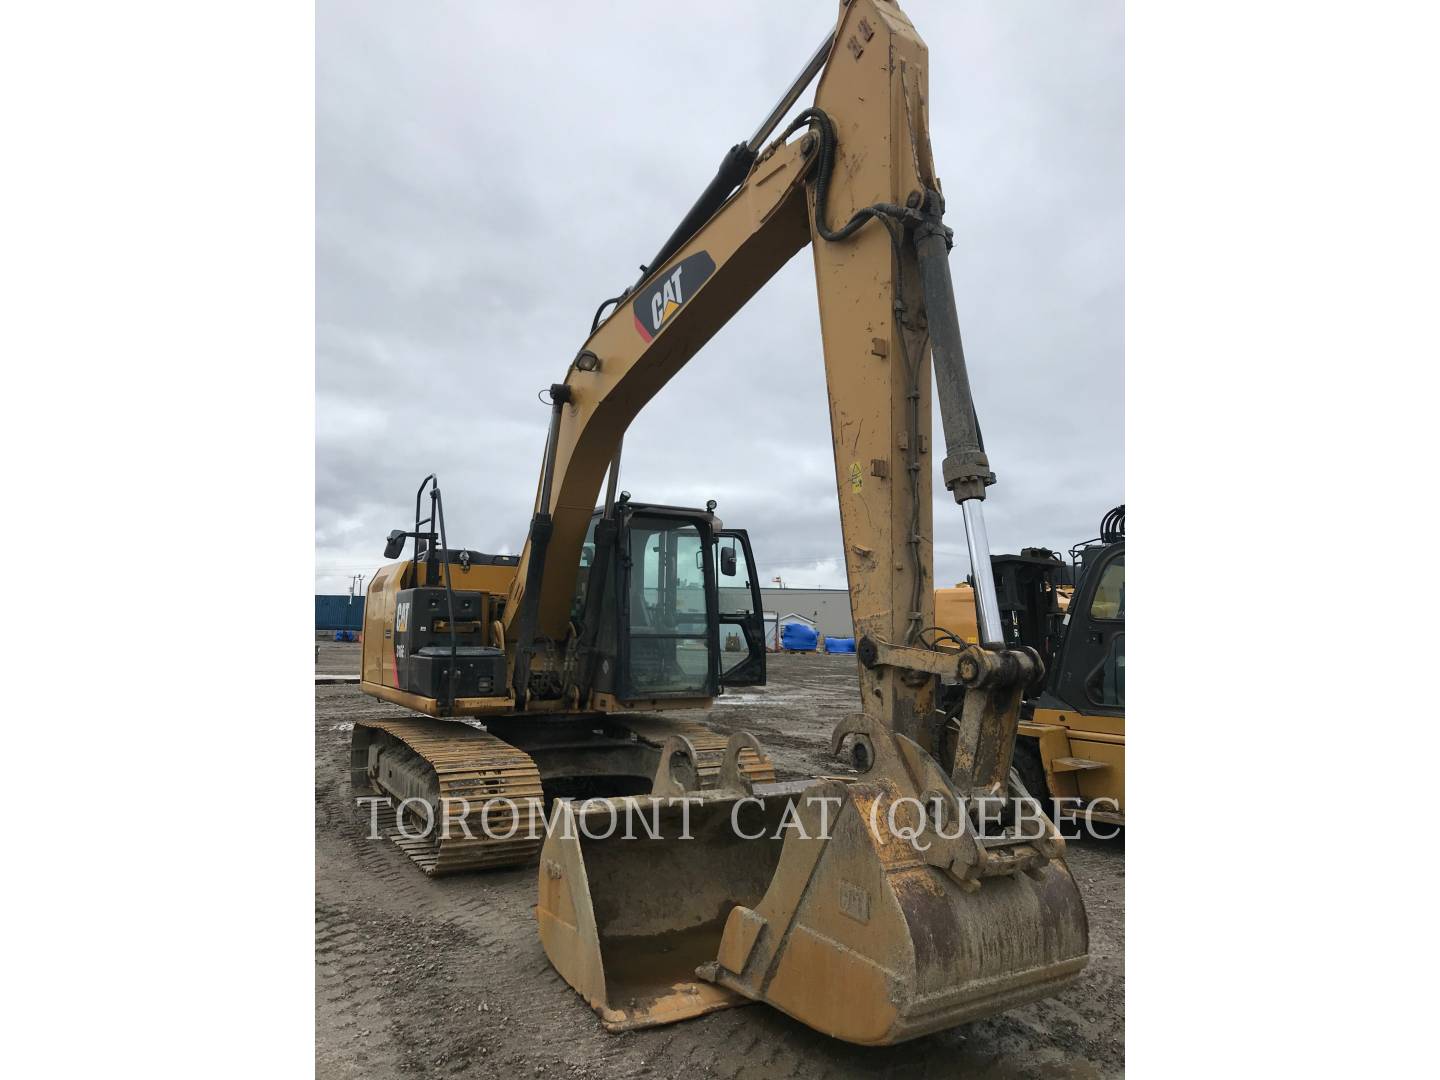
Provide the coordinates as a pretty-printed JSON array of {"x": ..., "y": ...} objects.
[
  {"x": 1070, "y": 748},
  {"x": 907, "y": 912},
  {"x": 955, "y": 614}
]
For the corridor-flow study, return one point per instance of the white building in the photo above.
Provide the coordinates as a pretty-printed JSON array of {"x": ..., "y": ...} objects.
[{"x": 827, "y": 610}]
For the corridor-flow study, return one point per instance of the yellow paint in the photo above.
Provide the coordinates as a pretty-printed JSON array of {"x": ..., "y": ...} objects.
[
  {"x": 832, "y": 989},
  {"x": 1065, "y": 733},
  {"x": 1079, "y": 724},
  {"x": 1106, "y": 783},
  {"x": 955, "y": 613}
]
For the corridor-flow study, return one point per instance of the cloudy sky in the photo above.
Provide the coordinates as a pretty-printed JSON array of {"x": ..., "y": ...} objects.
[{"x": 487, "y": 174}]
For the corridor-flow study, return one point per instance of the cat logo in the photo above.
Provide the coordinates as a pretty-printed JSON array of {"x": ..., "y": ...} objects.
[{"x": 668, "y": 292}]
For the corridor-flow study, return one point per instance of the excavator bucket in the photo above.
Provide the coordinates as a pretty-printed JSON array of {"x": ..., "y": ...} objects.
[
  {"x": 634, "y": 892},
  {"x": 863, "y": 940},
  {"x": 871, "y": 918}
]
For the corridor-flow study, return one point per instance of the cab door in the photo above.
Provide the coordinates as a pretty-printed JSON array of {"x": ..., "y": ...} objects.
[
  {"x": 740, "y": 614},
  {"x": 1090, "y": 675}
]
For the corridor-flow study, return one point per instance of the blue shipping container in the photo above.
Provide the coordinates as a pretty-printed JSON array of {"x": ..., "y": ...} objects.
[{"x": 339, "y": 613}]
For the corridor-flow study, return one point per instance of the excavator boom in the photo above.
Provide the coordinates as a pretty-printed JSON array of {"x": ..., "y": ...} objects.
[
  {"x": 886, "y": 305},
  {"x": 906, "y": 914}
]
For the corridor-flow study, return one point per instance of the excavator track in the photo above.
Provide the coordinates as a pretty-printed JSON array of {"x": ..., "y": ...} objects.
[
  {"x": 473, "y": 769},
  {"x": 709, "y": 747}
]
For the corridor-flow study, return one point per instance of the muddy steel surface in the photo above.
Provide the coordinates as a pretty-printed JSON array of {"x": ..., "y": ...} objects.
[{"x": 446, "y": 977}]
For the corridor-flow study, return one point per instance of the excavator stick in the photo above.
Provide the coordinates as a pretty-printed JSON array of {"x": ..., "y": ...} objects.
[{"x": 930, "y": 890}]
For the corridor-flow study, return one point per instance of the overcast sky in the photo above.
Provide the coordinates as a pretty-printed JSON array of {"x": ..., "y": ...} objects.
[{"x": 487, "y": 174}]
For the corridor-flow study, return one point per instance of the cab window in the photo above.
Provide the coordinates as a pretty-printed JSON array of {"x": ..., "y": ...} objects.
[
  {"x": 736, "y": 597},
  {"x": 1106, "y": 685},
  {"x": 1109, "y": 602},
  {"x": 669, "y": 619},
  {"x": 582, "y": 579}
]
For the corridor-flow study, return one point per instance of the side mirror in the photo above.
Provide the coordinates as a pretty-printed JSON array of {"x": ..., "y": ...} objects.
[
  {"x": 395, "y": 543},
  {"x": 727, "y": 561}
]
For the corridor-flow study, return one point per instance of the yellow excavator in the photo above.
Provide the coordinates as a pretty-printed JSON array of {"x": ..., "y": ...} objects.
[
  {"x": 1070, "y": 749},
  {"x": 1033, "y": 590},
  {"x": 550, "y": 689}
]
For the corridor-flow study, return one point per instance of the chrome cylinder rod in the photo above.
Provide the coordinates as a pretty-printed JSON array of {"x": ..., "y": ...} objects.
[
  {"x": 733, "y": 169},
  {"x": 987, "y": 607},
  {"x": 791, "y": 96},
  {"x": 613, "y": 482}
]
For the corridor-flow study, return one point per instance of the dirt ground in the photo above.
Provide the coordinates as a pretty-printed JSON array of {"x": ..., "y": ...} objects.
[{"x": 447, "y": 977}]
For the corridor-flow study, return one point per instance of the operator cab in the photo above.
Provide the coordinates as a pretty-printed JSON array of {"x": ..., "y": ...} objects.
[
  {"x": 1089, "y": 673},
  {"x": 667, "y": 605}
]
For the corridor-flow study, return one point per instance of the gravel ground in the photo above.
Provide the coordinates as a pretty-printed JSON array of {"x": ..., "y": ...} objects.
[{"x": 447, "y": 977}]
